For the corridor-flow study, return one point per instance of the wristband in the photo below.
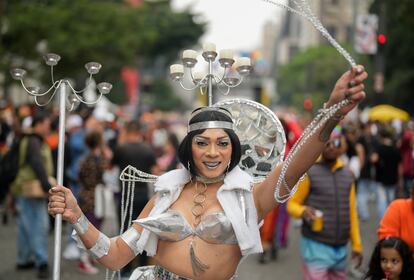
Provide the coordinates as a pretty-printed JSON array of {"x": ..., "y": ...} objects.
[{"x": 82, "y": 225}]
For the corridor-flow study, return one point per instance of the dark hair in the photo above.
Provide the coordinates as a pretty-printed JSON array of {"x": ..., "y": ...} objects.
[
  {"x": 375, "y": 272},
  {"x": 39, "y": 117},
  {"x": 386, "y": 132},
  {"x": 93, "y": 139},
  {"x": 172, "y": 138},
  {"x": 133, "y": 127},
  {"x": 185, "y": 154}
]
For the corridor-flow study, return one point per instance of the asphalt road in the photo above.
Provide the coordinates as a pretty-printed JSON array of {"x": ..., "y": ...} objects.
[{"x": 287, "y": 266}]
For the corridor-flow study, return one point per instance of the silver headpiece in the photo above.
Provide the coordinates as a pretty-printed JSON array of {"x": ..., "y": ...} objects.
[{"x": 210, "y": 124}]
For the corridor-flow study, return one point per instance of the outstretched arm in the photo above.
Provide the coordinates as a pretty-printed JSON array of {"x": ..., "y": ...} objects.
[
  {"x": 349, "y": 86},
  {"x": 62, "y": 201}
]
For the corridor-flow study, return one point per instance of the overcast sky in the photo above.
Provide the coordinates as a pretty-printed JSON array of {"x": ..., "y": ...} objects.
[{"x": 234, "y": 24}]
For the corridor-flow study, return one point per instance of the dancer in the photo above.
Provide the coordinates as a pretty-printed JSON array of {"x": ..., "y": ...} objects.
[
  {"x": 391, "y": 260},
  {"x": 207, "y": 214}
]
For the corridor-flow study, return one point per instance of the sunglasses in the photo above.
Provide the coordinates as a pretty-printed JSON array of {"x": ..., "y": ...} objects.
[{"x": 335, "y": 143}]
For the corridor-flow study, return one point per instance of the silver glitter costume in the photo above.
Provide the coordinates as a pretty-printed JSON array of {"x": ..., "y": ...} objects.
[{"x": 172, "y": 226}]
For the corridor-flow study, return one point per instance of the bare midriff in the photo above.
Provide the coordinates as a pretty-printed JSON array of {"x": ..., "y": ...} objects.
[{"x": 221, "y": 259}]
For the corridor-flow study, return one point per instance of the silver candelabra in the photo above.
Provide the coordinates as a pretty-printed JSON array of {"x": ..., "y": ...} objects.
[
  {"x": 68, "y": 98},
  {"x": 227, "y": 80}
]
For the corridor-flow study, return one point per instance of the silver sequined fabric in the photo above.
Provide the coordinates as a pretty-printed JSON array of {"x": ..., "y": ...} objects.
[{"x": 172, "y": 226}]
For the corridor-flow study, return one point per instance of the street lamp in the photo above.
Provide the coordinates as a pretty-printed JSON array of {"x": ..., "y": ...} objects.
[
  {"x": 69, "y": 97},
  {"x": 229, "y": 79}
]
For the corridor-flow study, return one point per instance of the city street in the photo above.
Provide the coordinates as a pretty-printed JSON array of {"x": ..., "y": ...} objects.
[{"x": 287, "y": 266}]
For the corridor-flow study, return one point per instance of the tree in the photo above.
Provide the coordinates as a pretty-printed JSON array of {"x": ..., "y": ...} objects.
[
  {"x": 109, "y": 32},
  {"x": 399, "y": 57},
  {"x": 312, "y": 74}
]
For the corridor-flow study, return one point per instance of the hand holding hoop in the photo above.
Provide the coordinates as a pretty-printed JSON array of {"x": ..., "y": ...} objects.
[{"x": 349, "y": 86}]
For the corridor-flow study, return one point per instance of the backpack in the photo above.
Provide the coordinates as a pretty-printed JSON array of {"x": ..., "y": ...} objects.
[{"x": 9, "y": 166}]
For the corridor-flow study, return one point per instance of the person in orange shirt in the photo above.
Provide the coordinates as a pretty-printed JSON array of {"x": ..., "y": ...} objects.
[{"x": 398, "y": 220}]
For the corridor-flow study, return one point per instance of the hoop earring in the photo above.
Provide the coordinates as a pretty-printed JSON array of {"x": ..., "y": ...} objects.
[{"x": 228, "y": 166}]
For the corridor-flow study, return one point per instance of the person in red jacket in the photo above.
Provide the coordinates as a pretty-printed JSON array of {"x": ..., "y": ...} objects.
[{"x": 398, "y": 220}]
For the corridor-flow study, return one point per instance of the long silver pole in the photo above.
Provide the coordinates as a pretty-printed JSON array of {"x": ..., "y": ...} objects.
[
  {"x": 59, "y": 176},
  {"x": 210, "y": 83}
]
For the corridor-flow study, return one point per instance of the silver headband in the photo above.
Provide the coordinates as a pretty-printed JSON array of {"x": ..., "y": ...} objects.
[
  {"x": 209, "y": 124},
  {"x": 211, "y": 109}
]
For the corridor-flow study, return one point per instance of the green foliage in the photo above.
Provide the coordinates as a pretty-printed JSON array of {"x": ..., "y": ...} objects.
[
  {"x": 109, "y": 32},
  {"x": 161, "y": 97},
  {"x": 313, "y": 73}
]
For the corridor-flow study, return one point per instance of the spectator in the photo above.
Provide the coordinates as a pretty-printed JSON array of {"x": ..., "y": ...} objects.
[
  {"x": 169, "y": 159},
  {"x": 90, "y": 175},
  {"x": 391, "y": 260},
  {"x": 388, "y": 170},
  {"x": 274, "y": 232},
  {"x": 406, "y": 150},
  {"x": 32, "y": 218},
  {"x": 138, "y": 154},
  {"x": 398, "y": 220},
  {"x": 328, "y": 187},
  {"x": 354, "y": 155},
  {"x": 366, "y": 186}
]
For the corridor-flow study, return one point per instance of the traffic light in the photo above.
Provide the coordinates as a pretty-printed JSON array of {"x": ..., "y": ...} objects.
[
  {"x": 307, "y": 104},
  {"x": 381, "y": 39}
]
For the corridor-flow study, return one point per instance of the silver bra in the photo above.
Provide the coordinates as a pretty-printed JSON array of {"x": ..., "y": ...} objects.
[{"x": 213, "y": 228}]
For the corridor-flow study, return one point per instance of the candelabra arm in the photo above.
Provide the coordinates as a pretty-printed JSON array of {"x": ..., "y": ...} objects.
[
  {"x": 202, "y": 91},
  {"x": 85, "y": 88},
  {"x": 54, "y": 86},
  {"x": 87, "y": 102},
  {"x": 225, "y": 92},
  {"x": 47, "y": 102},
  {"x": 72, "y": 106},
  {"x": 52, "y": 76},
  {"x": 192, "y": 88},
  {"x": 192, "y": 76},
  {"x": 217, "y": 79}
]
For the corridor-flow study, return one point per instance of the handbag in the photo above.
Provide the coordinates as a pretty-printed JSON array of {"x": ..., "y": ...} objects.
[{"x": 33, "y": 188}]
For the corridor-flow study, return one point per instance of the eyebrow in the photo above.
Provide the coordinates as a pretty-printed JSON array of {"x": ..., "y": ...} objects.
[{"x": 208, "y": 138}]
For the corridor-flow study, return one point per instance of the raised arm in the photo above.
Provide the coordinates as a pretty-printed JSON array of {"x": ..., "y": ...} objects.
[
  {"x": 120, "y": 253},
  {"x": 349, "y": 86}
]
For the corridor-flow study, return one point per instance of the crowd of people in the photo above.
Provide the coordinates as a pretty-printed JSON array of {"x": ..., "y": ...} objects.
[
  {"x": 97, "y": 149},
  {"x": 360, "y": 162}
]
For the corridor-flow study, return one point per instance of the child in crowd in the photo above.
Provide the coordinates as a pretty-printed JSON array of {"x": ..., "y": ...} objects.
[{"x": 391, "y": 260}]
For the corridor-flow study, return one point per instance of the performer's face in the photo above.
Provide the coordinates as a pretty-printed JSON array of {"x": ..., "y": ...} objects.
[{"x": 212, "y": 152}]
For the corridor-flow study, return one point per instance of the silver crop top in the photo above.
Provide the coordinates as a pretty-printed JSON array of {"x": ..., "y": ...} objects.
[{"x": 213, "y": 228}]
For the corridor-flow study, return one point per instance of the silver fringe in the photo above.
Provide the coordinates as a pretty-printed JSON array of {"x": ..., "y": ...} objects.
[
  {"x": 129, "y": 176},
  {"x": 196, "y": 264}
]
